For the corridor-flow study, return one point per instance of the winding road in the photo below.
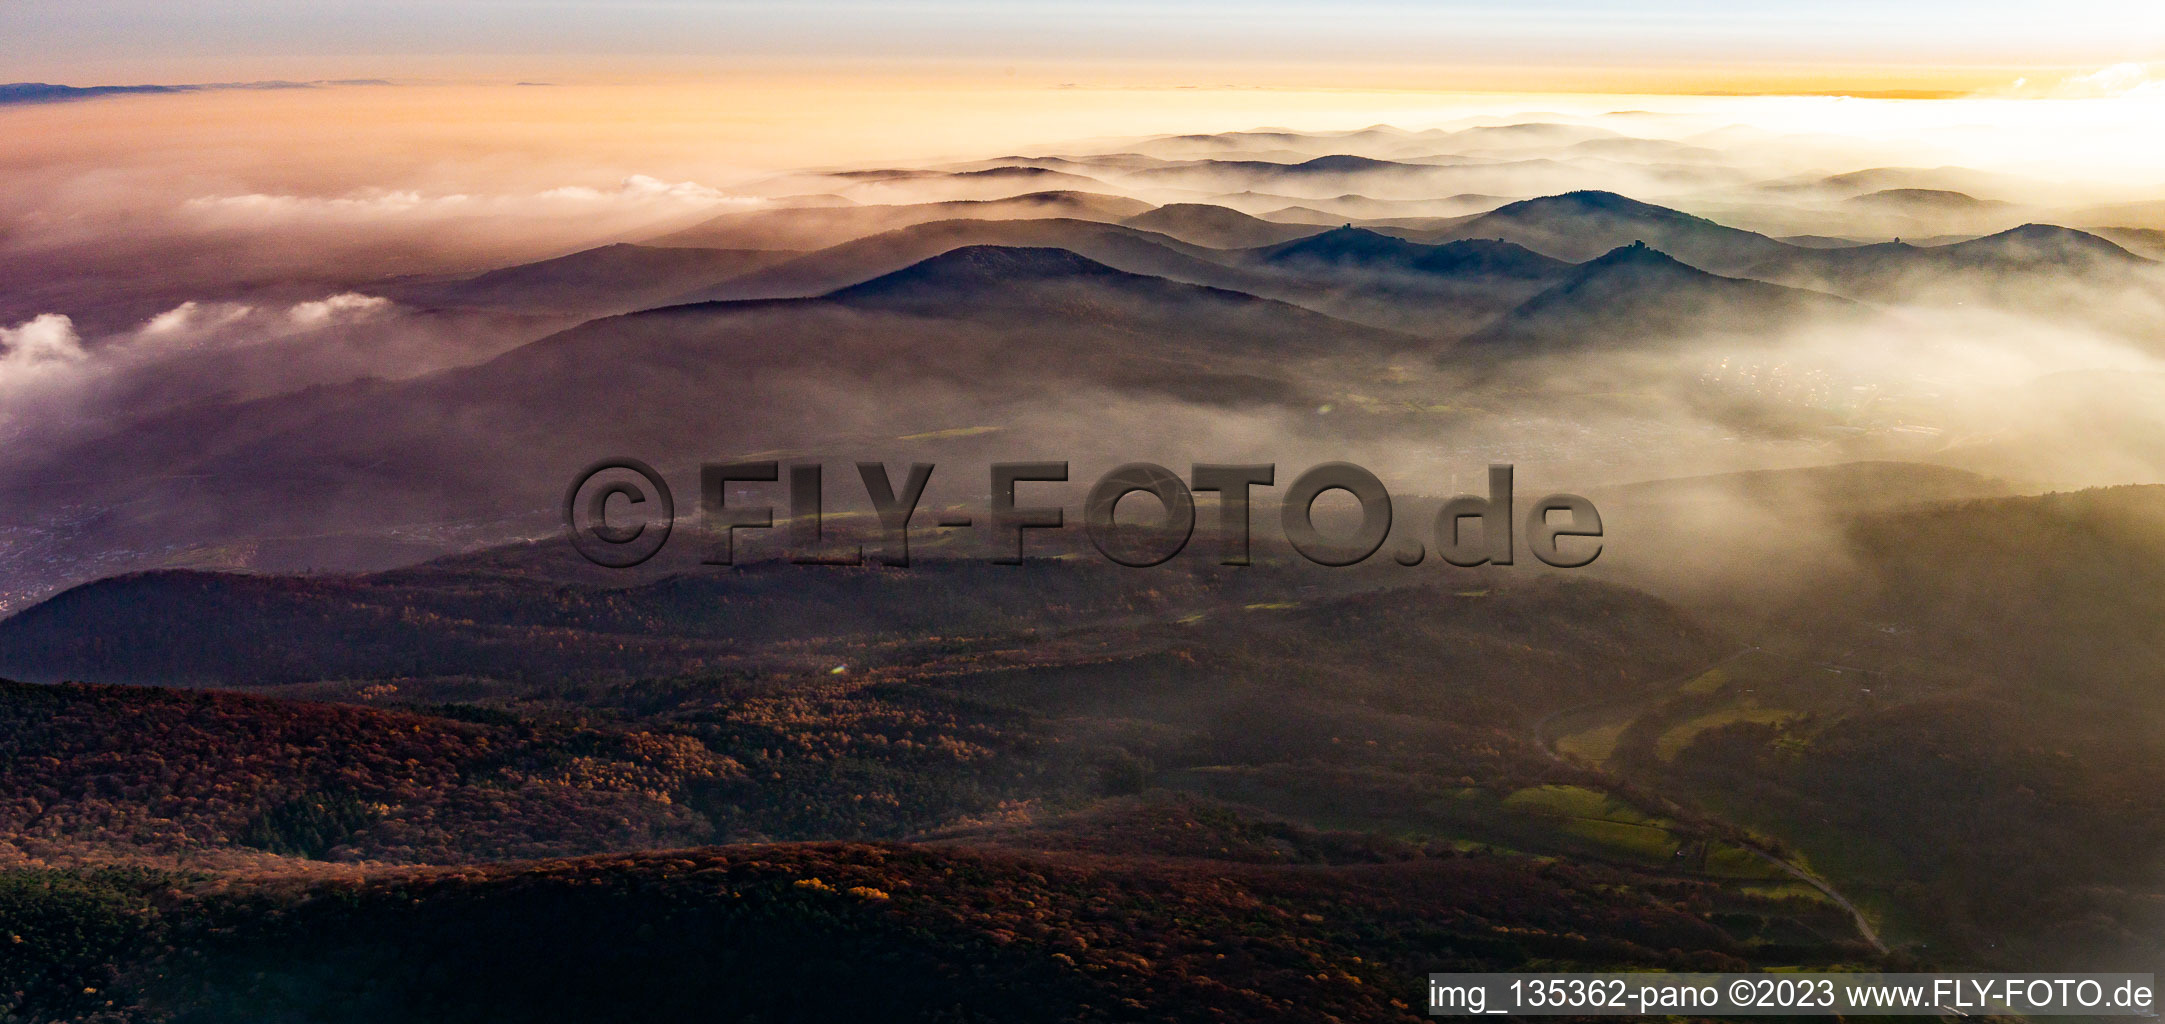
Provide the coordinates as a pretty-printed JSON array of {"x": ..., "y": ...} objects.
[{"x": 1547, "y": 743}]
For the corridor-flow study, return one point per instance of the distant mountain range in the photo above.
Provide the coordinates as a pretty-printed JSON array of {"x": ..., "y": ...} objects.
[
  {"x": 43, "y": 92},
  {"x": 1124, "y": 247},
  {"x": 1189, "y": 301},
  {"x": 979, "y": 328},
  {"x": 1932, "y": 199},
  {"x": 1578, "y": 226},
  {"x": 1635, "y": 296},
  {"x": 601, "y": 281},
  {"x": 1216, "y": 226},
  {"x": 1878, "y": 267},
  {"x": 1357, "y": 248}
]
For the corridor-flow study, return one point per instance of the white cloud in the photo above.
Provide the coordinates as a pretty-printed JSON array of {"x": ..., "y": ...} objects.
[
  {"x": 636, "y": 193},
  {"x": 48, "y": 349},
  {"x": 344, "y": 306},
  {"x": 192, "y": 317},
  {"x": 365, "y": 203},
  {"x": 42, "y": 340},
  {"x": 2132, "y": 79},
  {"x": 2116, "y": 80},
  {"x": 52, "y": 379},
  {"x": 194, "y": 322},
  {"x": 643, "y": 187}
]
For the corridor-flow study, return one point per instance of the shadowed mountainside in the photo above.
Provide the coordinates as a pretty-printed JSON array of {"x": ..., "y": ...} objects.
[
  {"x": 486, "y": 442},
  {"x": 1125, "y": 248},
  {"x": 1578, "y": 226},
  {"x": 604, "y": 281},
  {"x": 1350, "y": 248},
  {"x": 1636, "y": 296},
  {"x": 1215, "y": 226}
]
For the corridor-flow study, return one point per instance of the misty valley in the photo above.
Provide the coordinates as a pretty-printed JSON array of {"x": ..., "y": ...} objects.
[{"x": 1619, "y": 540}]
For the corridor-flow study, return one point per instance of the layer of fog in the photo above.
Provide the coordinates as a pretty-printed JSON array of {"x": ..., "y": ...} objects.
[
  {"x": 135, "y": 289},
  {"x": 59, "y": 386}
]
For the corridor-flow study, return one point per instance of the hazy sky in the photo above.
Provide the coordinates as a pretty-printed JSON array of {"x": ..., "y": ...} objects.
[{"x": 1690, "y": 44}]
